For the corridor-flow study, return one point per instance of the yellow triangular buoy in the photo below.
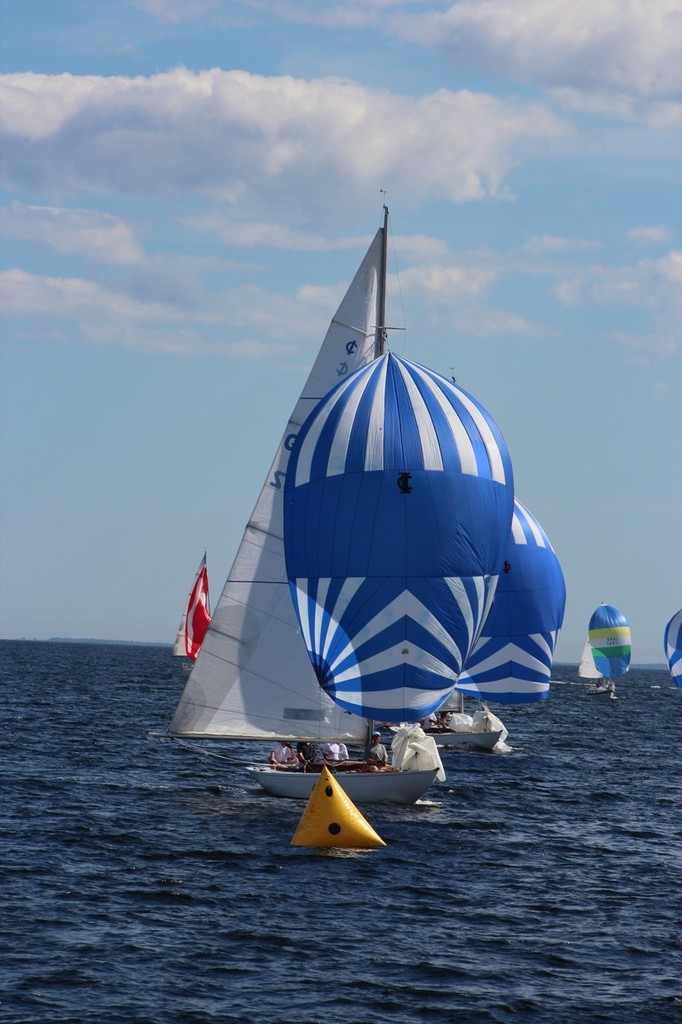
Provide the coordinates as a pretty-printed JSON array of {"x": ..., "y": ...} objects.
[{"x": 332, "y": 819}]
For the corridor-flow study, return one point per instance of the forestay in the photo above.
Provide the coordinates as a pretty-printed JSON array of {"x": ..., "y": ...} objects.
[
  {"x": 398, "y": 505},
  {"x": 512, "y": 661},
  {"x": 252, "y": 678}
]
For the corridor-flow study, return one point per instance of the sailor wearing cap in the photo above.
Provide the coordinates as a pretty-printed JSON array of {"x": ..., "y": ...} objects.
[{"x": 377, "y": 757}]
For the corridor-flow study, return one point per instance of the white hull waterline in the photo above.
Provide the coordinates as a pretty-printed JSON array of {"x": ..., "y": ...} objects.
[{"x": 404, "y": 787}]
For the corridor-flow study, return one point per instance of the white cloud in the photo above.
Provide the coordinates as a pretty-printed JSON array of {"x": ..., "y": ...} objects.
[
  {"x": 25, "y": 294},
  {"x": 652, "y": 285},
  {"x": 252, "y": 140},
  {"x": 647, "y": 283},
  {"x": 278, "y": 236},
  {"x": 36, "y": 106},
  {"x": 655, "y": 234},
  {"x": 253, "y": 234},
  {"x": 99, "y": 236},
  {"x": 244, "y": 321},
  {"x": 451, "y": 282},
  {"x": 643, "y": 284},
  {"x": 650, "y": 346},
  {"x": 459, "y": 295},
  {"x": 606, "y": 47},
  {"x": 176, "y": 10},
  {"x": 540, "y": 245},
  {"x": 651, "y": 112}
]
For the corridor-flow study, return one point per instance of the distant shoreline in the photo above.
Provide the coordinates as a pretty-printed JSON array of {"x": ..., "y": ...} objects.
[
  {"x": 85, "y": 640},
  {"x": 151, "y": 643}
]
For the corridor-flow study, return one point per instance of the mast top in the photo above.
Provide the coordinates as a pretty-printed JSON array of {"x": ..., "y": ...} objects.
[{"x": 380, "y": 343}]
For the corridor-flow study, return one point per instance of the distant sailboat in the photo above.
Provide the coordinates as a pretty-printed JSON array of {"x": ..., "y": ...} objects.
[
  {"x": 672, "y": 644},
  {"x": 607, "y": 651},
  {"x": 195, "y": 617},
  {"x": 512, "y": 660}
]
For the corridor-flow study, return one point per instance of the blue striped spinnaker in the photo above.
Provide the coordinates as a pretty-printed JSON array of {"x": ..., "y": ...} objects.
[
  {"x": 397, "y": 509},
  {"x": 511, "y": 663},
  {"x": 672, "y": 644}
]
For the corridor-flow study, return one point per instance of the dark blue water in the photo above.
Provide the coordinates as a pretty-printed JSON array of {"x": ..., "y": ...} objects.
[{"x": 143, "y": 885}]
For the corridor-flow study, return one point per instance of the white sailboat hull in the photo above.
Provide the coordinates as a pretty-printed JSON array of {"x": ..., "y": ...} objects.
[
  {"x": 481, "y": 741},
  {"x": 603, "y": 690},
  {"x": 362, "y": 787}
]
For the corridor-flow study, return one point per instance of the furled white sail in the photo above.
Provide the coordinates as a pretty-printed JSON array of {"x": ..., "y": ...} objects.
[{"x": 253, "y": 678}]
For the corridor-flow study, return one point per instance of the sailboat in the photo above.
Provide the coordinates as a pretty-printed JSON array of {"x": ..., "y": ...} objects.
[
  {"x": 454, "y": 729},
  {"x": 607, "y": 650},
  {"x": 672, "y": 645},
  {"x": 588, "y": 670},
  {"x": 511, "y": 661},
  {"x": 339, "y": 608},
  {"x": 195, "y": 617}
]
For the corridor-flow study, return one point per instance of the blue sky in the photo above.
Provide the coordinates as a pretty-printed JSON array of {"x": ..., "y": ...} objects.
[{"x": 187, "y": 189}]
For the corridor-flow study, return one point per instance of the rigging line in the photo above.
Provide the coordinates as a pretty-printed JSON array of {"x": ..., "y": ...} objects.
[{"x": 203, "y": 751}]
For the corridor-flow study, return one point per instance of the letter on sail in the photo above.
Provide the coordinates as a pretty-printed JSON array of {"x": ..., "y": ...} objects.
[{"x": 397, "y": 510}]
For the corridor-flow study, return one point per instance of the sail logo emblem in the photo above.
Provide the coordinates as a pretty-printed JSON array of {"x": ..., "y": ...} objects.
[{"x": 403, "y": 482}]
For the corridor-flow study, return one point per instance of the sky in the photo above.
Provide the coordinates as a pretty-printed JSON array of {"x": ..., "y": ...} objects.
[{"x": 186, "y": 190}]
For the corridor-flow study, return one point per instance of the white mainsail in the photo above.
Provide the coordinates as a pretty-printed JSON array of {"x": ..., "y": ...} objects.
[
  {"x": 253, "y": 678},
  {"x": 587, "y": 668}
]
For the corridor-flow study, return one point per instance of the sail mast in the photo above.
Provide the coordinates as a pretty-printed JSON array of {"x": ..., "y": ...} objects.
[
  {"x": 380, "y": 343},
  {"x": 379, "y": 349}
]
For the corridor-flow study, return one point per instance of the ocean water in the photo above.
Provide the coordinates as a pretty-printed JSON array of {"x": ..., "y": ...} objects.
[{"x": 143, "y": 884}]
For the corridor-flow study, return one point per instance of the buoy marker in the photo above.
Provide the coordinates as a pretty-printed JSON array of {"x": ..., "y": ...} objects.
[{"x": 332, "y": 819}]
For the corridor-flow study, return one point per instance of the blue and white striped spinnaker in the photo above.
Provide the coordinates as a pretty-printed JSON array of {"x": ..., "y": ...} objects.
[
  {"x": 397, "y": 509},
  {"x": 672, "y": 644},
  {"x": 511, "y": 662},
  {"x": 609, "y": 636}
]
